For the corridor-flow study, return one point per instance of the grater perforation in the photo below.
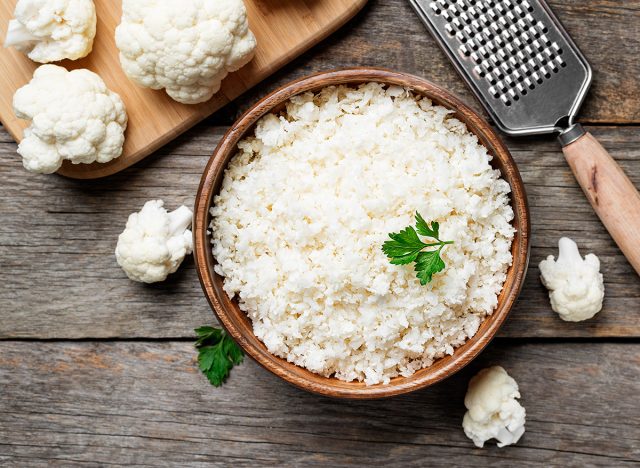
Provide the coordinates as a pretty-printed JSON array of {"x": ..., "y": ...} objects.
[
  {"x": 504, "y": 41},
  {"x": 515, "y": 56}
]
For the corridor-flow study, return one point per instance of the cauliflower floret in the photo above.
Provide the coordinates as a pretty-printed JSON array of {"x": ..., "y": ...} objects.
[
  {"x": 52, "y": 30},
  {"x": 73, "y": 116},
  {"x": 186, "y": 47},
  {"x": 155, "y": 242},
  {"x": 576, "y": 286},
  {"x": 493, "y": 412}
]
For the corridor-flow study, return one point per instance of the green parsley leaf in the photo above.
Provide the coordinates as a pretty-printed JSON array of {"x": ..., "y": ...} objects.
[
  {"x": 406, "y": 247},
  {"x": 206, "y": 333},
  {"x": 425, "y": 230},
  {"x": 217, "y": 353},
  {"x": 427, "y": 264}
]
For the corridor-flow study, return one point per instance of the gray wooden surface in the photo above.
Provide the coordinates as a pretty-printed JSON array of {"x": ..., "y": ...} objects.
[
  {"x": 97, "y": 370},
  {"x": 144, "y": 403}
]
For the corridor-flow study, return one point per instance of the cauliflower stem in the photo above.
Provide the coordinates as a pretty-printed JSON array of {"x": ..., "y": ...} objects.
[
  {"x": 154, "y": 242},
  {"x": 576, "y": 286},
  {"x": 19, "y": 35},
  {"x": 493, "y": 411},
  {"x": 52, "y": 30}
]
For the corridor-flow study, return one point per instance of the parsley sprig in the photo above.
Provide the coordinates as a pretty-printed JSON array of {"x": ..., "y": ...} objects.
[
  {"x": 217, "y": 353},
  {"x": 406, "y": 247}
]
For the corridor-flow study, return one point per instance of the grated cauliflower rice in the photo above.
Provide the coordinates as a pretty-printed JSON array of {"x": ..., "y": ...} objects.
[{"x": 303, "y": 211}]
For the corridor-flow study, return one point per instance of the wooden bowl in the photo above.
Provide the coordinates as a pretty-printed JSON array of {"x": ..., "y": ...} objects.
[{"x": 237, "y": 323}]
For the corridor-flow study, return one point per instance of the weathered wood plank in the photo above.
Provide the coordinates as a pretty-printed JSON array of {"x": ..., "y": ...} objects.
[
  {"x": 60, "y": 278},
  {"x": 558, "y": 208},
  {"x": 145, "y": 403},
  {"x": 388, "y": 34}
]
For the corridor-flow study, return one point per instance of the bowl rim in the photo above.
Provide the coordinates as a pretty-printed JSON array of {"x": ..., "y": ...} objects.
[{"x": 442, "y": 367}]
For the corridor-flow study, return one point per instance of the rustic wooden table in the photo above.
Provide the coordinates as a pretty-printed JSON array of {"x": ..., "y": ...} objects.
[{"x": 98, "y": 370}]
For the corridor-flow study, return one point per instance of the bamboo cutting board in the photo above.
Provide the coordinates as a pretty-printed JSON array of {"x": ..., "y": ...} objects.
[{"x": 283, "y": 28}]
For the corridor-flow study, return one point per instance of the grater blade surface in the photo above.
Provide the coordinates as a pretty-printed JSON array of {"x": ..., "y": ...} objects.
[{"x": 516, "y": 57}]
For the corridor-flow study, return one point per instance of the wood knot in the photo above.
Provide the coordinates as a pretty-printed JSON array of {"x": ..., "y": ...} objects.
[{"x": 594, "y": 184}]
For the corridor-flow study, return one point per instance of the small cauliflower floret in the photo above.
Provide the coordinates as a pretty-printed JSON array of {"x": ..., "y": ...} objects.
[
  {"x": 52, "y": 30},
  {"x": 186, "y": 47},
  {"x": 493, "y": 411},
  {"x": 576, "y": 286},
  {"x": 74, "y": 116},
  {"x": 155, "y": 242}
]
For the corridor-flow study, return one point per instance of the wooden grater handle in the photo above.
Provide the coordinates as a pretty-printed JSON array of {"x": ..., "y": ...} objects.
[{"x": 610, "y": 192}]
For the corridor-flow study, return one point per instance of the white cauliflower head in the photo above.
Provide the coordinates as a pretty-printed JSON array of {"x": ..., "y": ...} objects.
[
  {"x": 576, "y": 286},
  {"x": 52, "y": 30},
  {"x": 493, "y": 411},
  {"x": 186, "y": 47},
  {"x": 73, "y": 116},
  {"x": 155, "y": 242}
]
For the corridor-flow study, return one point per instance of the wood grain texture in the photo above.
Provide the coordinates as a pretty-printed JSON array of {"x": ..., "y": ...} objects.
[
  {"x": 283, "y": 31},
  {"x": 61, "y": 280},
  {"x": 610, "y": 192},
  {"x": 140, "y": 403},
  {"x": 236, "y": 321},
  {"x": 143, "y": 403}
]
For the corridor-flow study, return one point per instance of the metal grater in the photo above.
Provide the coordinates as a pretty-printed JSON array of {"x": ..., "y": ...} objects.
[
  {"x": 516, "y": 57},
  {"x": 532, "y": 79}
]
